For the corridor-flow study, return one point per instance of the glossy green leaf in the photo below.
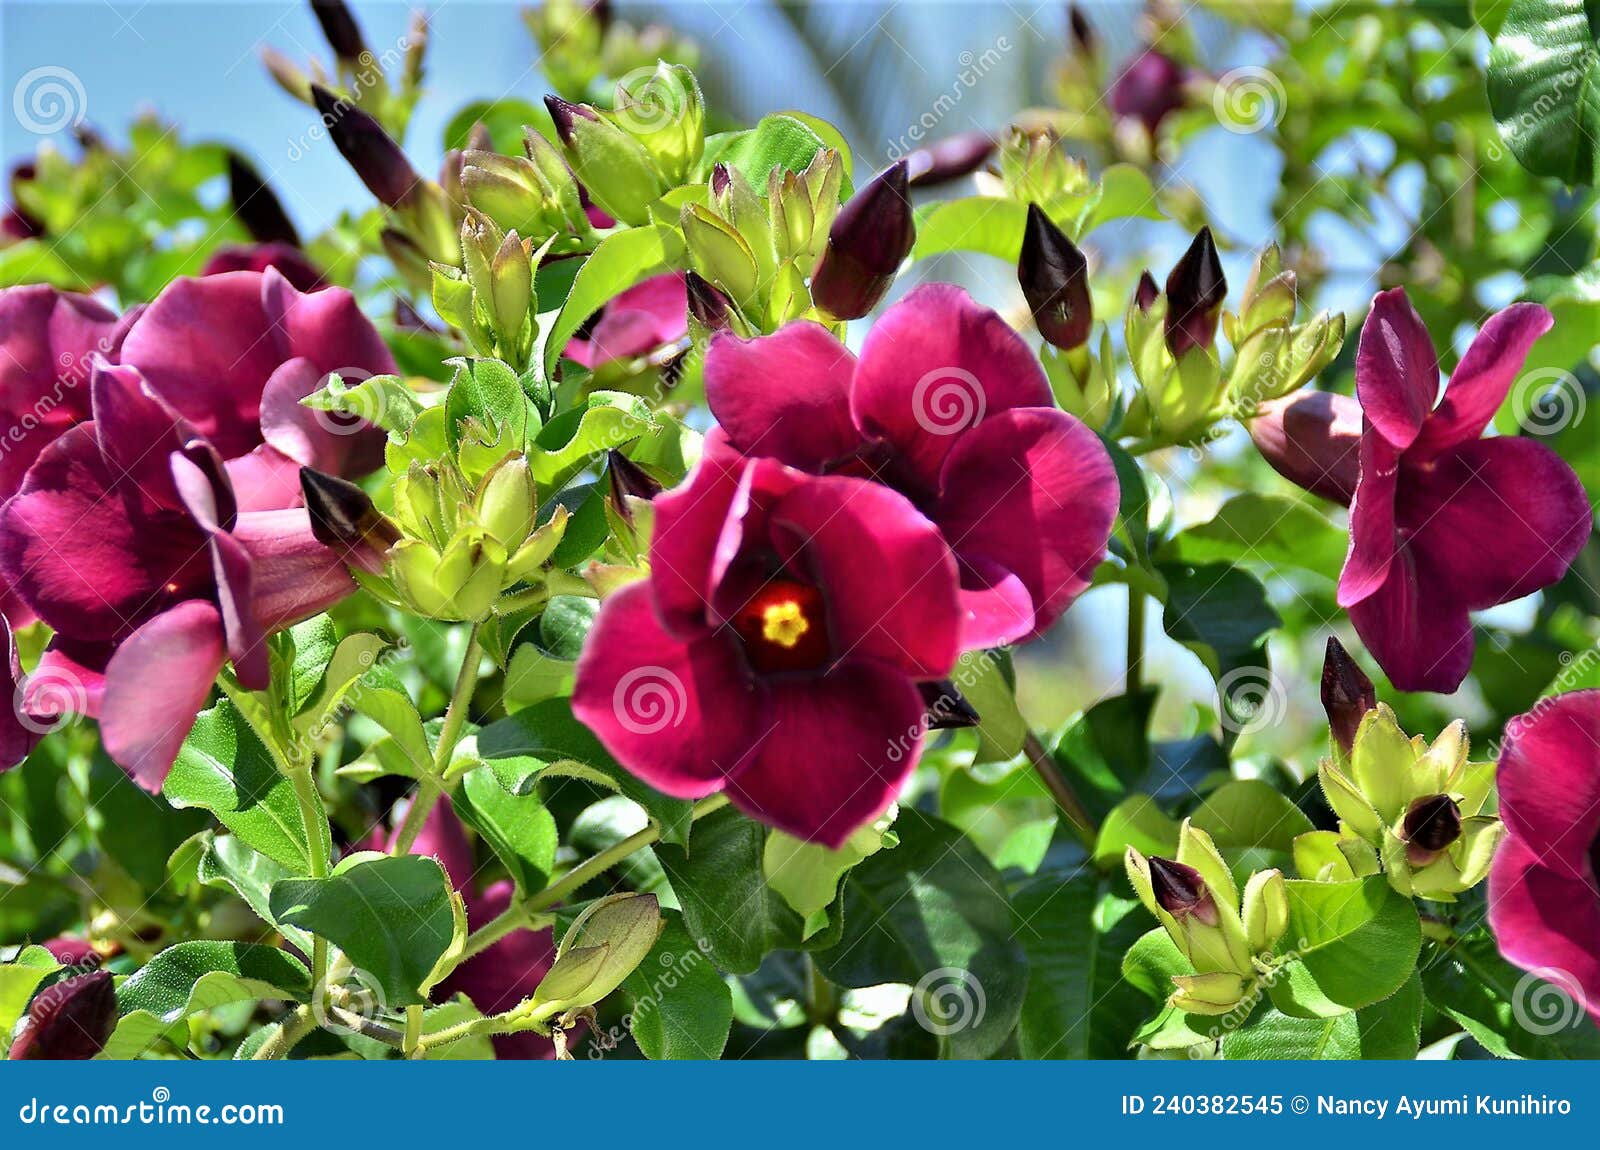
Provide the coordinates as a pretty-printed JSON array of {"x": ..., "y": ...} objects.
[
  {"x": 517, "y": 827},
  {"x": 679, "y": 1005},
  {"x": 623, "y": 259},
  {"x": 779, "y": 140},
  {"x": 1266, "y": 529},
  {"x": 1544, "y": 87},
  {"x": 1387, "y": 1030},
  {"x": 1350, "y": 944},
  {"x": 1251, "y": 813}
]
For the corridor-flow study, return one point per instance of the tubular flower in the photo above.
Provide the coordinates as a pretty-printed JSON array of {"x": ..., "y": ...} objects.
[
  {"x": 235, "y": 354},
  {"x": 948, "y": 406},
  {"x": 1544, "y": 886},
  {"x": 785, "y": 615},
  {"x": 126, "y": 538},
  {"x": 1442, "y": 521},
  {"x": 644, "y": 319}
]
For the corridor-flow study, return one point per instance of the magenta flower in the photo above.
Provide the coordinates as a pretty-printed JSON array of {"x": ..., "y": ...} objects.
[
  {"x": 46, "y": 340},
  {"x": 286, "y": 258},
  {"x": 1149, "y": 88},
  {"x": 646, "y": 318},
  {"x": 235, "y": 353},
  {"x": 507, "y": 971},
  {"x": 1544, "y": 893},
  {"x": 1444, "y": 522},
  {"x": 784, "y": 613},
  {"x": 948, "y": 406},
  {"x": 126, "y": 538}
]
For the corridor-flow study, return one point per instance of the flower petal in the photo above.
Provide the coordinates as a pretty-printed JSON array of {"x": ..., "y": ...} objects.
[
  {"x": 264, "y": 480},
  {"x": 293, "y": 576},
  {"x": 840, "y": 749},
  {"x": 1501, "y": 517},
  {"x": 1415, "y": 628},
  {"x": 887, "y": 576},
  {"x": 156, "y": 684},
  {"x": 935, "y": 365},
  {"x": 1372, "y": 521},
  {"x": 996, "y": 606},
  {"x": 680, "y": 715},
  {"x": 1549, "y": 780},
  {"x": 1397, "y": 371},
  {"x": 1480, "y": 382},
  {"x": 1312, "y": 439},
  {"x": 1546, "y": 921},
  {"x": 19, "y": 734},
  {"x": 689, "y": 521},
  {"x": 786, "y": 395},
  {"x": 327, "y": 327},
  {"x": 1032, "y": 491},
  {"x": 647, "y": 316},
  {"x": 70, "y": 679},
  {"x": 329, "y": 442},
  {"x": 137, "y": 430}
]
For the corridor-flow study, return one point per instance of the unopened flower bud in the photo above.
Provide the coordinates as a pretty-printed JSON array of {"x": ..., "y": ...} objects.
[
  {"x": 367, "y": 148},
  {"x": 340, "y": 28},
  {"x": 1149, "y": 89},
  {"x": 1266, "y": 910},
  {"x": 1147, "y": 292},
  {"x": 1055, "y": 281},
  {"x": 564, "y": 114},
  {"x": 1347, "y": 694},
  {"x": 870, "y": 238},
  {"x": 707, "y": 306},
  {"x": 945, "y": 707},
  {"x": 1195, "y": 292},
  {"x": 287, "y": 74},
  {"x": 1181, "y": 892},
  {"x": 1431, "y": 824},
  {"x": 71, "y": 1020},
  {"x": 949, "y": 159},
  {"x": 617, "y": 169},
  {"x": 628, "y": 479},
  {"x": 344, "y": 518},
  {"x": 1083, "y": 34},
  {"x": 602, "y": 947},
  {"x": 507, "y": 505},
  {"x": 256, "y": 206},
  {"x": 1312, "y": 439}
]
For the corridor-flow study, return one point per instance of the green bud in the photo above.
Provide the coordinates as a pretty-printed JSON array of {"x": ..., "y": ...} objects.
[
  {"x": 602, "y": 947},
  {"x": 538, "y": 548},
  {"x": 1347, "y": 801},
  {"x": 1196, "y": 901},
  {"x": 1036, "y": 168},
  {"x": 1219, "y": 992},
  {"x": 720, "y": 254},
  {"x": 506, "y": 503},
  {"x": 802, "y": 206},
  {"x": 619, "y": 172},
  {"x": 1266, "y": 910},
  {"x": 663, "y": 109}
]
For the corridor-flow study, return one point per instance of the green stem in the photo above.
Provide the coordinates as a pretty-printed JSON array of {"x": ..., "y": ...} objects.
[
  {"x": 1056, "y": 783},
  {"x": 290, "y": 1031},
  {"x": 430, "y": 790},
  {"x": 1135, "y": 658}
]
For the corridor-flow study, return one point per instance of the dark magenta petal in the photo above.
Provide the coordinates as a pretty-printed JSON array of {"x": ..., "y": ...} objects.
[
  {"x": 840, "y": 749},
  {"x": 289, "y": 260},
  {"x": 69, "y": 680},
  {"x": 1546, "y": 921},
  {"x": 136, "y": 431},
  {"x": 679, "y": 715},
  {"x": 264, "y": 480},
  {"x": 330, "y": 442},
  {"x": 936, "y": 364},
  {"x": 156, "y": 684},
  {"x": 1372, "y": 521},
  {"x": 1031, "y": 491},
  {"x": 46, "y": 340},
  {"x": 648, "y": 316},
  {"x": 1549, "y": 779},
  {"x": 887, "y": 576},
  {"x": 1397, "y": 372},
  {"x": 1312, "y": 439},
  {"x": 786, "y": 395},
  {"x": 996, "y": 605},
  {"x": 689, "y": 522},
  {"x": 1503, "y": 517},
  {"x": 292, "y": 575},
  {"x": 1415, "y": 628},
  {"x": 1483, "y": 378}
]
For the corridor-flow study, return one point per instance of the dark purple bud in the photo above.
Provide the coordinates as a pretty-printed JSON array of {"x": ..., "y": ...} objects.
[
  {"x": 1149, "y": 89},
  {"x": 1430, "y": 825},
  {"x": 707, "y": 305},
  {"x": 869, "y": 240},
  {"x": 946, "y": 707},
  {"x": 340, "y": 28},
  {"x": 1181, "y": 892},
  {"x": 68, "y": 1021},
  {"x": 344, "y": 519},
  {"x": 1195, "y": 291},
  {"x": 949, "y": 159},
  {"x": 628, "y": 478},
  {"x": 721, "y": 178},
  {"x": 1146, "y": 294},
  {"x": 1347, "y": 694},
  {"x": 257, "y": 208},
  {"x": 564, "y": 113},
  {"x": 367, "y": 148},
  {"x": 1083, "y": 37},
  {"x": 408, "y": 318},
  {"x": 1055, "y": 280}
]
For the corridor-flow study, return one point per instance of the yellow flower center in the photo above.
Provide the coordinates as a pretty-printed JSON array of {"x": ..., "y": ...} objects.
[{"x": 783, "y": 623}]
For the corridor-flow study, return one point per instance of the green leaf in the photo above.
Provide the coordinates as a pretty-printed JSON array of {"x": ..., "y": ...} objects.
[
  {"x": 1078, "y": 1005},
  {"x": 1266, "y": 529},
  {"x": 381, "y": 400},
  {"x": 807, "y": 875},
  {"x": 1251, "y": 813},
  {"x": 727, "y": 903},
  {"x": 546, "y": 741},
  {"x": 394, "y": 918},
  {"x": 505, "y": 118},
  {"x": 1125, "y": 193},
  {"x": 227, "y": 862},
  {"x": 18, "y": 981},
  {"x": 1513, "y": 1014},
  {"x": 1136, "y": 822},
  {"x": 1544, "y": 87},
  {"x": 517, "y": 827},
  {"x": 779, "y": 140},
  {"x": 137, "y": 829},
  {"x": 224, "y": 768},
  {"x": 1220, "y": 613},
  {"x": 1389, "y": 1030},
  {"x": 679, "y": 1006},
  {"x": 933, "y": 914},
  {"x": 1148, "y": 965},
  {"x": 1350, "y": 944},
  {"x": 576, "y": 438},
  {"x": 196, "y": 976},
  {"x": 1009, "y": 814},
  {"x": 621, "y": 260},
  {"x": 488, "y": 415},
  {"x": 383, "y": 700},
  {"x": 984, "y": 224},
  {"x": 982, "y": 682}
]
